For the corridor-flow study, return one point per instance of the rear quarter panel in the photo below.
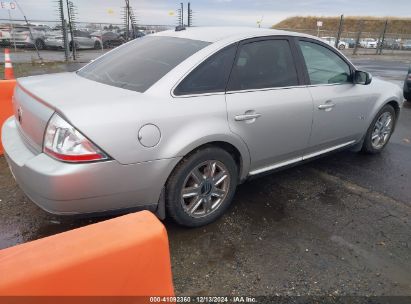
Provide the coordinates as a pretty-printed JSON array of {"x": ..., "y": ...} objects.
[{"x": 184, "y": 123}]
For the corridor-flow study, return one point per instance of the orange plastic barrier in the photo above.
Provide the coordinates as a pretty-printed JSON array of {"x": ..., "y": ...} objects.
[
  {"x": 125, "y": 256},
  {"x": 6, "y": 108}
]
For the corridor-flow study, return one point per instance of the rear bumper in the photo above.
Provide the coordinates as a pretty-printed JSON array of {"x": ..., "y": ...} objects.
[{"x": 63, "y": 188}]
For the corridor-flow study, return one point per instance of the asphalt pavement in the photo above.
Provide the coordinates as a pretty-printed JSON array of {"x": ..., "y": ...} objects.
[{"x": 339, "y": 225}]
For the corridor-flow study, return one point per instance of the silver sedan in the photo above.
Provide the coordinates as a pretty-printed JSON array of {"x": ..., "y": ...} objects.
[{"x": 173, "y": 122}]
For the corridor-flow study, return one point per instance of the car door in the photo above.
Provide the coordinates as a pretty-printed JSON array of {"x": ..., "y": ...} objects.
[
  {"x": 267, "y": 104},
  {"x": 89, "y": 40},
  {"x": 340, "y": 106},
  {"x": 82, "y": 41}
]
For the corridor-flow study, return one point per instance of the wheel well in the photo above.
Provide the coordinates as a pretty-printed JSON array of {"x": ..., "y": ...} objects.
[
  {"x": 235, "y": 153},
  {"x": 395, "y": 106}
]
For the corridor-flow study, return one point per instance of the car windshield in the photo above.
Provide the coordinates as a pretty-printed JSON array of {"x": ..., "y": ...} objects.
[{"x": 141, "y": 63}]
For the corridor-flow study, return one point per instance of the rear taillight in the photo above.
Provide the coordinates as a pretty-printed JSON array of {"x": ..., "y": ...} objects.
[
  {"x": 63, "y": 142},
  {"x": 409, "y": 76}
]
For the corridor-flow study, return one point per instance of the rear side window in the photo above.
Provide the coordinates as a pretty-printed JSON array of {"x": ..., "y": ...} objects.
[
  {"x": 264, "y": 64},
  {"x": 211, "y": 76},
  {"x": 323, "y": 65},
  {"x": 139, "y": 64}
]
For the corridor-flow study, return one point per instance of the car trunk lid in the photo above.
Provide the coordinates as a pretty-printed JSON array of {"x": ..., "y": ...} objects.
[
  {"x": 75, "y": 98},
  {"x": 32, "y": 115}
]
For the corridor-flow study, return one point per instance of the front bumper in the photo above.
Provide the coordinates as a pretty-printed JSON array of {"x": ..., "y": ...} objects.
[{"x": 64, "y": 188}]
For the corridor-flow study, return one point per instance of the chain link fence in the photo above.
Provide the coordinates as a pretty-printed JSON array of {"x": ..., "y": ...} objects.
[
  {"x": 359, "y": 40},
  {"x": 44, "y": 36}
]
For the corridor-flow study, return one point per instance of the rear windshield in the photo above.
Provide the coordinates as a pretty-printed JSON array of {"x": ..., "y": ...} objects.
[{"x": 141, "y": 63}]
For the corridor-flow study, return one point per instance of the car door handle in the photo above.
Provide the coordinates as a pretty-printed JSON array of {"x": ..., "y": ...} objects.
[
  {"x": 327, "y": 106},
  {"x": 244, "y": 117}
]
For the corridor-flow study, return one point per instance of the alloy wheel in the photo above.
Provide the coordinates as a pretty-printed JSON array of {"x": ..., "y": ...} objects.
[
  {"x": 205, "y": 188},
  {"x": 382, "y": 130}
]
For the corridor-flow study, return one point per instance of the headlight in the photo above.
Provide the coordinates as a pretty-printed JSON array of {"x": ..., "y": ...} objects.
[{"x": 63, "y": 142}]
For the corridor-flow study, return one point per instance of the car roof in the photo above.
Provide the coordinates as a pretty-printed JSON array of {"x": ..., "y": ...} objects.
[{"x": 214, "y": 34}]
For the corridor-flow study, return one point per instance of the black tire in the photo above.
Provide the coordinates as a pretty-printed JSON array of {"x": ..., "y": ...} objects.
[
  {"x": 40, "y": 45},
  {"x": 341, "y": 47},
  {"x": 407, "y": 96},
  {"x": 367, "y": 145},
  {"x": 97, "y": 45},
  {"x": 177, "y": 180}
]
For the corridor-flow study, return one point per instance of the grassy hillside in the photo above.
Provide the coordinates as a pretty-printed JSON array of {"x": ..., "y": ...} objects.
[{"x": 371, "y": 24}]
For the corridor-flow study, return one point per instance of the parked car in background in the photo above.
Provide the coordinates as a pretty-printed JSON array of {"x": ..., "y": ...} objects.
[
  {"x": 138, "y": 34},
  {"x": 406, "y": 45},
  {"x": 407, "y": 86},
  {"x": 172, "y": 122},
  {"x": 391, "y": 43},
  {"x": 82, "y": 40},
  {"x": 331, "y": 41},
  {"x": 350, "y": 42},
  {"x": 29, "y": 36},
  {"x": 5, "y": 35},
  {"x": 110, "y": 39},
  {"x": 54, "y": 40},
  {"x": 368, "y": 43}
]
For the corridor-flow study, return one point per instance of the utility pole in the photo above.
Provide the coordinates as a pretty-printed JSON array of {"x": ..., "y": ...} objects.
[
  {"x": 384, "y": 32},
  {"x": 189, "y": 15},
  {"x": 182, "y": 14},
  {"x": 180, "y": 17},
  {"x": 63, "y": 29},
  {"x": 70, "y": 13},
  {"x": 340, "y": 28},
  {"x": 127, "y": 20}
]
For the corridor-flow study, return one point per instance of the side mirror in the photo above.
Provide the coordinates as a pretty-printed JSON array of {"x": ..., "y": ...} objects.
[{"x": 363, "y": 78}]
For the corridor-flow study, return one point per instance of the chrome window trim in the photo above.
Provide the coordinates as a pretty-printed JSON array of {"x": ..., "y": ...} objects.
[
  {"x": 266, "y": 89},
  {"x": 329, "y": 84},
  {"x": 197, "y": 95},
  {"x": 298, "y": 159},
  {"x": 261, "y": 90}
]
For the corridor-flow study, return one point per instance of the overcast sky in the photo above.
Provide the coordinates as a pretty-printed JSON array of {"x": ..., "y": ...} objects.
[{"x": 214, "y": 12}]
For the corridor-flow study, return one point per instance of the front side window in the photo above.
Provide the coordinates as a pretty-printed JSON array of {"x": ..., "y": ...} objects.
[
  {"x": 264, "y": 64},
  {"x": 323, "y": 65},
  {"x": 140, "y": 63},
  {"x": 211, "y": 76}
]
